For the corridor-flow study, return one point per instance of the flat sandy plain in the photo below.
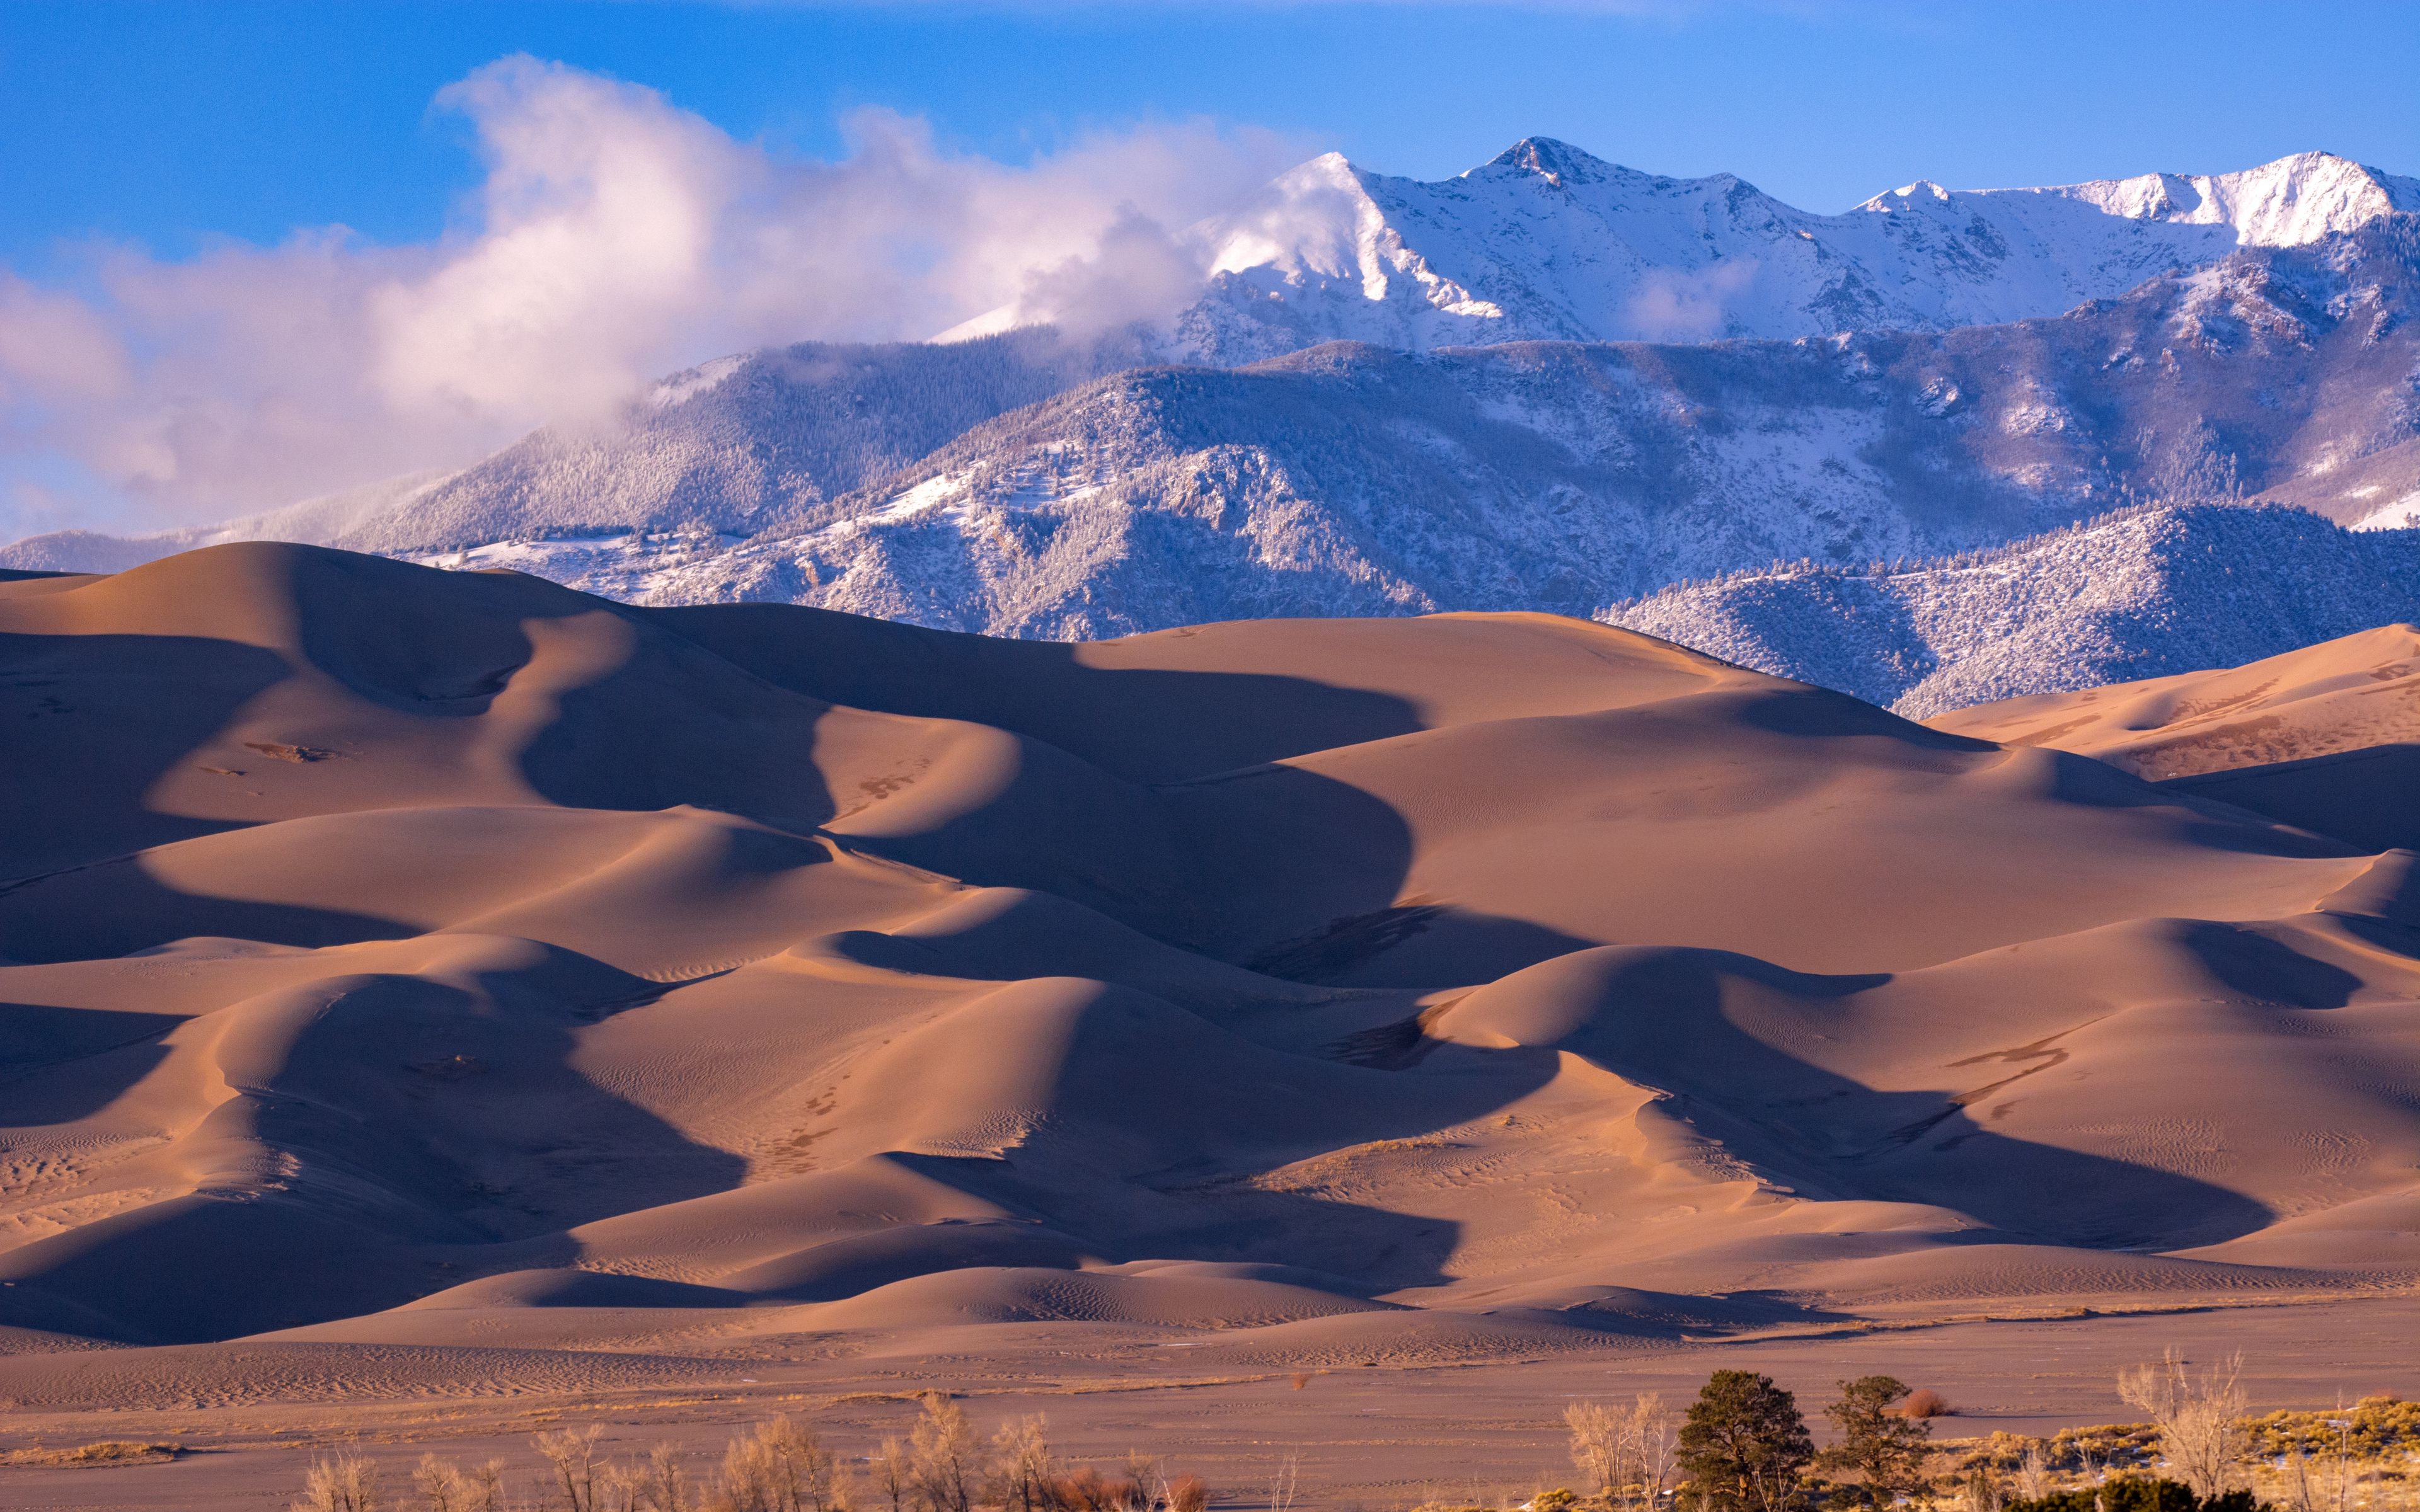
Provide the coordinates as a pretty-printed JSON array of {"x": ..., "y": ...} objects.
[{"x": 435, "y": 1004}]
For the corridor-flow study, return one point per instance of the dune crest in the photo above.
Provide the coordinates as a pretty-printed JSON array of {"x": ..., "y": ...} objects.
[
  {"x": 2327, "y": 737},
  {"x": 392, "y": 955}
]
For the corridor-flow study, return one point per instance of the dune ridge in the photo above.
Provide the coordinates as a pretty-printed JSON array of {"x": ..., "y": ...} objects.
[{"x": 395, "y": 956}]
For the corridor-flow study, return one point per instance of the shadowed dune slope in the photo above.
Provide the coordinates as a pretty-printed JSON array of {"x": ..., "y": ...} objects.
[
  {"x": 2327, "y": 737},
  {"x": 393, "y": 956},
  {"x": 2360, "y": 691}
]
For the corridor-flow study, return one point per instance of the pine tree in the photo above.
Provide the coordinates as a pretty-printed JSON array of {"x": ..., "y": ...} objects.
[
  {"x": 1885, "y": 1451},
  {"x": 1744, "y": 1446}
]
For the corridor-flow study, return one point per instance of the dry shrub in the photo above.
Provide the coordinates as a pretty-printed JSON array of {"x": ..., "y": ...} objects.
[
  {"x": 107, "y": 1452},
  {"x": 1189, "y": 1495},
  {"x": 661, "y": 1485},
  {"x": 893, "y": 1470},
  {"x": 782, "y": 1468},
  {"x": 445, "y": 1487},
  {"x": 1086, "y": 1489},
  {"x": 2374, "y": 1425},
  {"x": 1022, "y": 1465},
  {"x": 2200, "y": 1416},
  {"x": 1627, "y": 1455},
  {"x": 1923, "y": 1402},
  {"x": 571, "y": 1457},
  {"x": 948, "y": 1459},
  {"x": 344, "y": 1483}
]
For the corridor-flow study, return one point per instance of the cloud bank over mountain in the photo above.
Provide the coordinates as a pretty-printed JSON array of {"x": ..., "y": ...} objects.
[{"x": 615, "y": 237}]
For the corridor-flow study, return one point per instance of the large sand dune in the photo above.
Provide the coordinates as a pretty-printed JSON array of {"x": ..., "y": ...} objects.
[
  {"x": 399, "y": 958},
  {"x": 2327, "y": 737}
]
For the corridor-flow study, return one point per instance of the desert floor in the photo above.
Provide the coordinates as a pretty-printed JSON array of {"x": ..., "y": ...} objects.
[{"x": 1467, "y": 1417}]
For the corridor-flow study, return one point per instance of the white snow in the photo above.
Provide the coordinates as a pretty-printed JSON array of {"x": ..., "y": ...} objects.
[
  {"x": 1546, "y": 242},
  {"x": 2404, "y": 514}
]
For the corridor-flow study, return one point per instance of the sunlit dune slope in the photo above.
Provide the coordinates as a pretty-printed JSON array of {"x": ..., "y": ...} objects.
[
  {"x": 388, "y": 953},
  {"x": 2327, "y": 737}
]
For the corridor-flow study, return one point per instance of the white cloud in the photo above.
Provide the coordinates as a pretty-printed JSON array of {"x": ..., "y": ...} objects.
[
  {"x": 616, "y": 237},
  {"x": 1673, "y": 305}
]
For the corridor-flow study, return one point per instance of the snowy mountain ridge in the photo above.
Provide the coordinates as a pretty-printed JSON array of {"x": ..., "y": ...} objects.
[
  {"x": 2137, "y": 592},
  {"x": 1547, "y": 242},
  {"x": 1543, "y": 242},
  {"x": 1031, "y": 484},
  {"x": 1354, "y": 479},
  {"x": 1566, "y": 476}
]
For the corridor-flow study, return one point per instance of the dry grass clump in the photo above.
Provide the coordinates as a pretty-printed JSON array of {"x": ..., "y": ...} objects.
[
  {"x": 776, "y": 1466},
  {"x": 2361, "y": 1456},
  {"x": 2364, "y": 1458},
  {"x": 2374, "y": 1425},
  {"x": 107, "y": 1452},
  {"x": 2088, "y": 1453}
]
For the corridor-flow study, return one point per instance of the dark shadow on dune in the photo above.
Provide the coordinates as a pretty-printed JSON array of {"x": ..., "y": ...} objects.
[
  {"x": 1631, "y": 1312},
  {"x": 1820, "y": 713},
  {"x": 1482, "y": 947},
  {"x": 2219, "y": 821},
  {"x": 1207, "y": 1213},
  {"x": 115, "y": 908},
  {"x": 1159, "y": 745},
  {"x": 86, "y": 721},
  {"x": 417, "y": 1137},
  {"x": 435, "y": 1136},
  {"x": 2268, "y": 970},
  {"x": 1271, "y": 1185},
  {"x": 109, "y": 1052},
  {"x": 1198, "y": 722},
  {"x": 2368, "y": 799},
  {"x": 1664, "y": 1023}
]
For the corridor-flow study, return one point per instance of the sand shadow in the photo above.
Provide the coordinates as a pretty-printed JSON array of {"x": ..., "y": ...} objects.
[
  {"x": 1664, "y": 1022},
  {"x": 1201, "y": 723},
  {"x": 100, "y": 711},
  {"x": 110, "y": 1051},
  {"x": 115, "y": 908},
  {"x": 2368, "y": 799},
  {"x": 403, "y": 1137}
]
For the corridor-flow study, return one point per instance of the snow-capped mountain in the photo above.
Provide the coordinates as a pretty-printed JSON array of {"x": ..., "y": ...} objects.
[
  {"x": 2139, "y": 592},
  {"x": 735, "y": 445},
  {"x": 1359, "y": 480},
  {"x": 1543, "y": 243},
  {"x": 1565, "y": 476},
  {"x": 1546, "y": 242},
  {"x": 1026, "y": 485}
]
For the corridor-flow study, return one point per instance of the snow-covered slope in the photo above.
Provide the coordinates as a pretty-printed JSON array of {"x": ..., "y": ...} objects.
[
  {"x": 323, "y": 520},
  {"x": 1564, "y": 476},
  {"x": 2139, "y": 593},
  {"x": 1002, "y": 485},
  {"x": 741, "y": 443},
  {"x": 1543, "y": 243},
  {"x": 1546, "y": 242},
  {"x": 738, "y": 444}
]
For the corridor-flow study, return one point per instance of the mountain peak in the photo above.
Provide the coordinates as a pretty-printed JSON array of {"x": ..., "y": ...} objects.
[
  {"x": 1558, "y": 162},
  {"x": 2290, "y": 201}
]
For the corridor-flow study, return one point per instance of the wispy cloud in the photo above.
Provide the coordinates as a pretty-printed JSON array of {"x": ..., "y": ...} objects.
[{"x": 615, "y": 237}]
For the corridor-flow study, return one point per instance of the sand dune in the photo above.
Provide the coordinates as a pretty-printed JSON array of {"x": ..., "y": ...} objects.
[
  {"x": 399, "y": 958},
  {"x": 2342, "y": 695},
  {"x": 2327, "y": 737}
]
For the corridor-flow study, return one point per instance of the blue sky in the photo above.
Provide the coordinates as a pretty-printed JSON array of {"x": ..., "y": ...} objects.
[
  {"x": 168, "y": 123},
  {"x": 253, "y": 253}
]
